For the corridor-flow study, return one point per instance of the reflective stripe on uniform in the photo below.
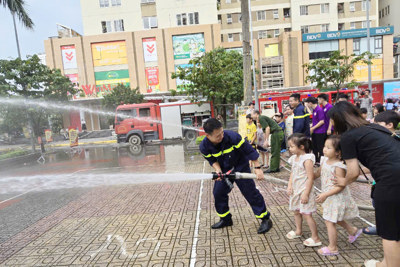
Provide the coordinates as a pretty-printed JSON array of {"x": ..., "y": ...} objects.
[
  {"x": 301, "y": 116},
  {"x": 262, "y": 215},
  {"x": 223, "y": 215},
  {"x": 226, "y": 151}
]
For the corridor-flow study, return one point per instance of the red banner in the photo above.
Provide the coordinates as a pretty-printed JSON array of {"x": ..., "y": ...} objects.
[{"x": 152, "y": 79}]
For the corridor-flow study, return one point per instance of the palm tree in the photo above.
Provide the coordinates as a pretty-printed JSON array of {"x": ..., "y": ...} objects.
[{"x": 16, "y": 7}]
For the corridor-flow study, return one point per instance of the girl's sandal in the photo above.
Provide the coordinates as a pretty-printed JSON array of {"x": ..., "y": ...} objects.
[
  {"x": 370, "y": 263},
  {"x": 353, "y": 238},
  {"x": 326, "y": 252},
  {"x": 311, "y": 243},
  {"x": 292, "y": 235}
]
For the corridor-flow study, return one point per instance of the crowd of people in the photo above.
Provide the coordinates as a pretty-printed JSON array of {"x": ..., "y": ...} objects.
[{"x": 334, "y": 143}]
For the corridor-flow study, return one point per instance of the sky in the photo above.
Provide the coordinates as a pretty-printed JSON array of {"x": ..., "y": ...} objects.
[{"x": 45, "y": 14}]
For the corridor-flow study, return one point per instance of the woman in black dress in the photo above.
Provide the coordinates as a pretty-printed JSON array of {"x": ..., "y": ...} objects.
[{"x": 375, "y": 148}]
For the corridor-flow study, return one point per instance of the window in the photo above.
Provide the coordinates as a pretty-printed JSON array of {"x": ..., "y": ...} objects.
[
  {"x": 383, "y": 12},
  {"x": 288, "y": 29},
  {"x": 352, "y": 25},
  {"x": 356, "y": 46},
  {"x": 365, "y": 25},
  {"x": 364, "y": 5},
  {"x": 262, "y": 34},
  {"x": 150, "y": 22},
  {"x": 322, "y": 49},
  {"x": 144, "y": 112},
  {"x": 378, "y": 45},
  {"x": 340, "y": 7},
  {"x": 303, "y": 10},
  {"x": 286, "y": 12},
  {"x": 219, "y": 19},
  {"x": 229, "y": 18},
  {"x": 388, "y": 8},
  {"x": 261, "y": 15},
  {"x": 119, "y": 25},
  {"x": 104, "y": 3},
  {"x": 386, "y": 11},
  {"x": 276, "y": 14},
  {"x": 276, "y": 32},
  {"x": 341, "y": 26},
  {"x": 324, "y": 27},
  {"x": 187, "y": 18},
  {"x": 324, "y": 8},
  {"x": 230, "y": 37},
  {"x": 380, "y": 14},
  {"x": 116, "y": 2},
  {"x": 123, "y": 114},
  {"x": 352, "y": 6},
  {"x": 106, "y": 26},
  {"x": 304, "y": 29},
  {"x": 148, "y": 1}
]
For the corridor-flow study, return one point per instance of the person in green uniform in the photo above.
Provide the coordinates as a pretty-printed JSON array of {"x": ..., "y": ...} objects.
[{"x": 270, "y": 127}]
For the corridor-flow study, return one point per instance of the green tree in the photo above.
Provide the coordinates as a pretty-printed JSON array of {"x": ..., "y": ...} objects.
[
  {"x": 216, "y": 76},
  {"x": 29, "y": 79},
  {"x": 122, "y": 94},
  {"x": 335, "y": 71},
  {"x": 17, "y": 7}
]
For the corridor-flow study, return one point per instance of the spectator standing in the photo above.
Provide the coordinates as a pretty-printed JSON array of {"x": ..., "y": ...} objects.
[
  {"x": 281, "y": 122},
  {"x": 301, "y": 119},
  {"x": 250, "y": 109},
  {"x": 366, "y": 102},
  {"x": 343, "y": 97},
  {"x": 288, "y": 121},
  {"x": 318, "y": 129},
  {"x": 251, "y": 130},
  {"x": 326, "y": 106}
]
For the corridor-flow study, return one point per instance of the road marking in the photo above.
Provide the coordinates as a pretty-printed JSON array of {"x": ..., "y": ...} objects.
[{"x": 196, "y": 228}]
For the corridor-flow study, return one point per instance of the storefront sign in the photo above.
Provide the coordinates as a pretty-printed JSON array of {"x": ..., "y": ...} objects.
[
  {"x": 150, "y": 50},
  {"x": 68, "y": 53},
  {"x": 112, "y": 77},
  {"x": 109, "y": 53},
  {"x": 188, "y": 45},
  {"x": 152, "y": 80},
  {"x": 357, "y": 33}
]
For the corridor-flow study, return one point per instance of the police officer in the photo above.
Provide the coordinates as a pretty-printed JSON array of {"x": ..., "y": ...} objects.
[
  {"x": 270, "y": 126},
  {"x": 301, "y": 119},
  {"x": 225, "y": 150}
]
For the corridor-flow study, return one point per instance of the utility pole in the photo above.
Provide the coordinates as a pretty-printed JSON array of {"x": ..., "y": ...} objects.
[
  {"x": 246, "y": 53},
  {"x": 16, "y": 35},
  {"x": 369, "y": 48},
  {"x": 252, "y": 59}
]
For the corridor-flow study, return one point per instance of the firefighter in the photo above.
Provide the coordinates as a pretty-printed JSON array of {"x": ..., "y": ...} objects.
[
  {"x": 226, "y": 150},
  {"x": 270, "y": 126},
  {"x": 301, "y": 119}
]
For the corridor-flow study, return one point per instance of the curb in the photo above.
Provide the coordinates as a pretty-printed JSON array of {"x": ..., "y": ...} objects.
[{"x": 86, "y": 143}]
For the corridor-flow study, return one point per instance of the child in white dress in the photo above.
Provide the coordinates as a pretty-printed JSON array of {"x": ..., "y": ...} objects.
[
  {"x": 301, "y": 188},
  {"x": 338, "y": 204}
]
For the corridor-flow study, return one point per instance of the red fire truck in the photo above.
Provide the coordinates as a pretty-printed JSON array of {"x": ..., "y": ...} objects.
[{"x": 138, "y": 123}]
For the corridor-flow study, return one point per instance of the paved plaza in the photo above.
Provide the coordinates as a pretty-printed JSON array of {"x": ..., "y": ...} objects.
[{"x": 161, "y": 224}]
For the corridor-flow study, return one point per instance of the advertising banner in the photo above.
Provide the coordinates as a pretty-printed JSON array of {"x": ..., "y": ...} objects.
[
  {"x": 73, "y": 137},
  {"x": 188, "y": 45},
  {"x": 68, "y": 53},
  {"x": 149, "y": 49},
  {"x": 360, "y": 73},
  {"x": 152, "y": 80},
  {"x": 392, "y": 90},
  {"x": 356, "y": 33},
  {"x": 180, "y": 84},
  {"x": 377, "y": 92},
  {"x": 271, "y": 50},
  {"x": 109, "y": 53},
  {"x": 49, "y": 135}
]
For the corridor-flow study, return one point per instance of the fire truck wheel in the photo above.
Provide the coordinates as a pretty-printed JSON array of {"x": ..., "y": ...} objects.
[
  {"x": 135, "y": 140},
  {"x": 190, "y": 135}
]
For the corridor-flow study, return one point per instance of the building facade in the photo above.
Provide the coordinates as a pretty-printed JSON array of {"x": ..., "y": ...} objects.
[{"x": 110, "y": 16}]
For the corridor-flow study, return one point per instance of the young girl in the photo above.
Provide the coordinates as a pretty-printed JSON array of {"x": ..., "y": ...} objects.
[
  {"x": 300, "y": 188},
  {"x": 337, "y": 202},
  {"x": 260, "y": 142}
]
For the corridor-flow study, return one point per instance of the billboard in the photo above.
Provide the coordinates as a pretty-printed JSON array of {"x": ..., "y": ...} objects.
[
  {"x": 152, "y": 80},
  {"x": 149, "y": 49},
  {"x": 188, "y": 45},
  {"x": 109, "y": 53},
  {"x": 360, "y": 73},
  {"x": 180, "y": 84},
  {"x": 271, "y": 50},
  {"x": 377, "y": 92},
  {"x": 68, "y": 53},
  {"x": 392, "y": 90},
  {"x": 356, "y": 33}
]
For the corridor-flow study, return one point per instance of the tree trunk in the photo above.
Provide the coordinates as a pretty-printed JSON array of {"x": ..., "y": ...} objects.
[
  {"x": 248, "y": 92},
  {"x": 224, "y": 113}
]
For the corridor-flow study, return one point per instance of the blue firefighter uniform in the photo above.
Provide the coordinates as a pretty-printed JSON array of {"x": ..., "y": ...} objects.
[
  {"x": 234, "y": 152},
  {"x": 301, "y": 120}
]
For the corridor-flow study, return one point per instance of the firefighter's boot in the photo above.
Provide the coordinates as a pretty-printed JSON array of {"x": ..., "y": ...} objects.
[
  {"x": 266, "y": 225},
  {"x": 223, "y": 223}
]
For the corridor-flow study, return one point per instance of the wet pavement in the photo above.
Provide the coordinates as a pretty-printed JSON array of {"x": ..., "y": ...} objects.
[{"x": 118, "y": 205}]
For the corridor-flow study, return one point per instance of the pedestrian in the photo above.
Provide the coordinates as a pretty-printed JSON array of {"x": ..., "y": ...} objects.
[
  {"x": 318, "y": 129},
  {"x": 301, "y": 188},
  {"x": 289, "y": 122},
  {"x": 250, "y": 109},
  {"x": 260, "y": 146},
  {"x": 337, "y": 203},
  {"x": 301, "y": 119},
  {"x": 375, "y": 148},
  {"x": 270, "y": 127},
  {"x": 225, "y": 151},
  {"x": 365, "y": 100},
  {"x": 326, "y": 106}
]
